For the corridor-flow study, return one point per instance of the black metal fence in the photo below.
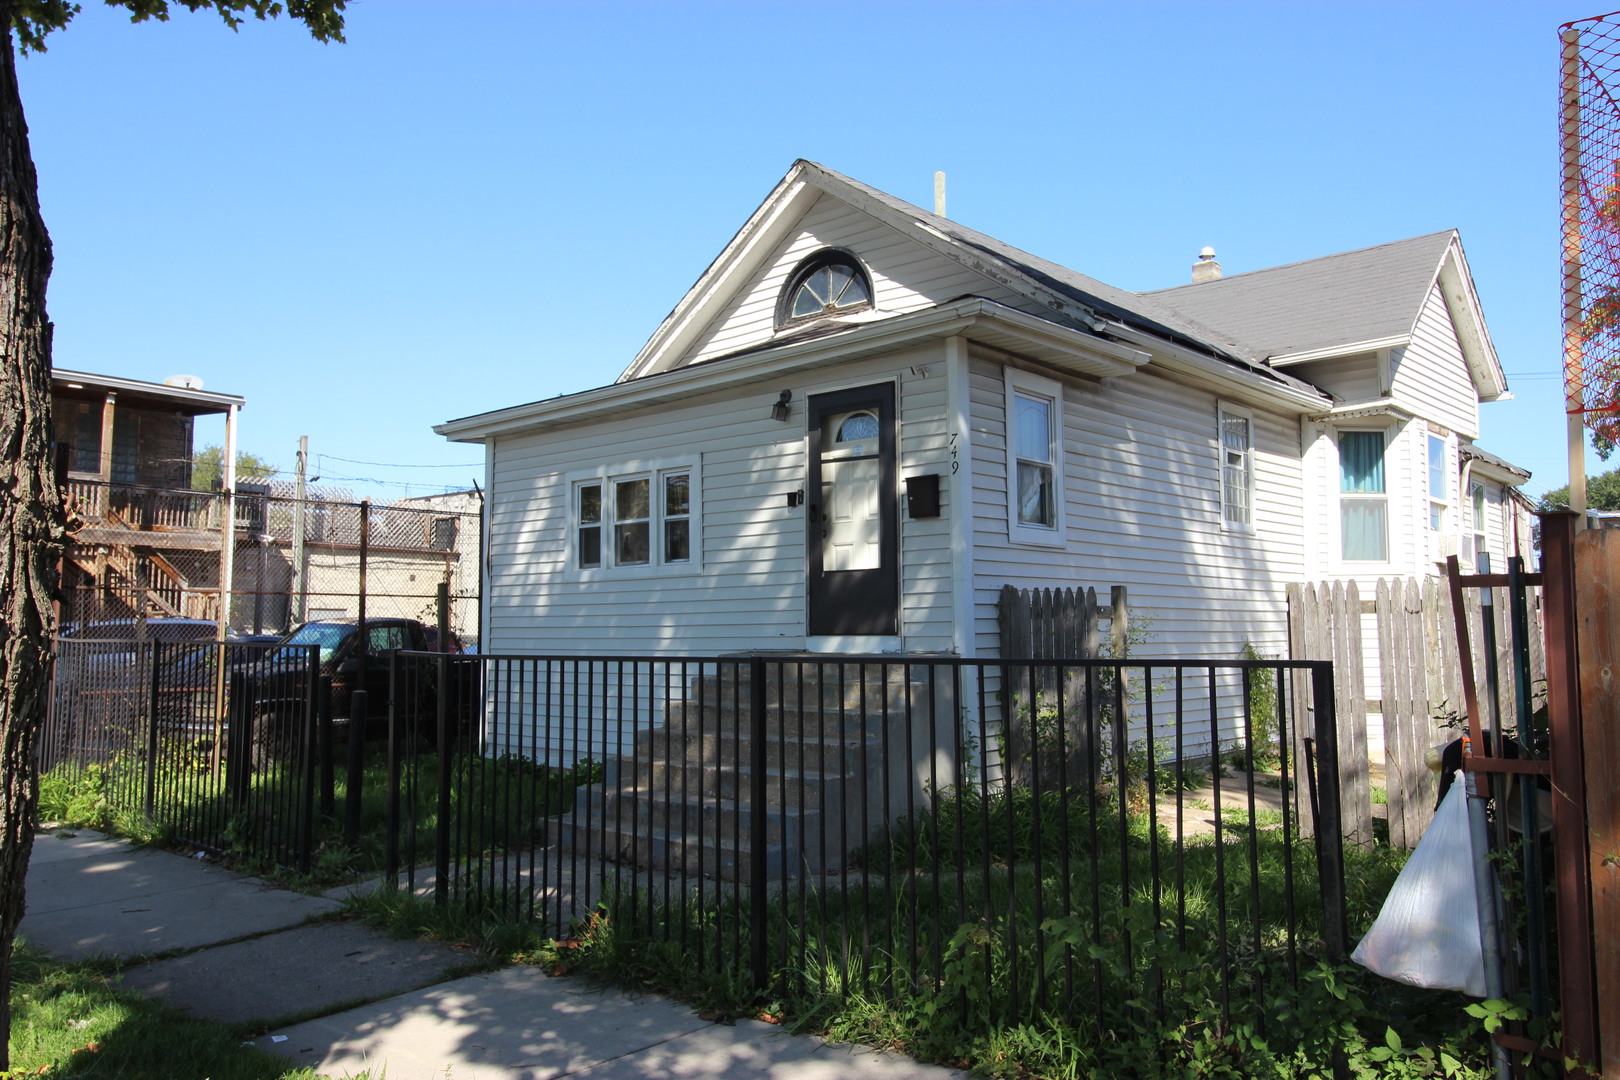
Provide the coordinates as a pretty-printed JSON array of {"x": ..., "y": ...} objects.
[
  {"x": 213, "y": 744},
  {"x": 1075, "y": 838},
  {"x": 1034, "y": 835}
]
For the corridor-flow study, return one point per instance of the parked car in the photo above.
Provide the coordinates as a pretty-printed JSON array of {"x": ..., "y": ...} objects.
[
  {"x": 278, "y": 686},
  {"x": 106, "y": 654}
]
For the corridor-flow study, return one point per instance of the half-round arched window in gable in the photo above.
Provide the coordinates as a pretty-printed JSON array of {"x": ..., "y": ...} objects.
[{"x": 829, "y": 282}]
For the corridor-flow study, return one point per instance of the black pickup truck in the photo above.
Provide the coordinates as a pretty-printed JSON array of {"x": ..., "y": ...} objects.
[{"x": 277, "y": 686}]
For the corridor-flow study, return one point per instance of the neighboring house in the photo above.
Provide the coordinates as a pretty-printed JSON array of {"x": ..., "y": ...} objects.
[
  {"x": 301, "y": 559},
  {"x": 143, "y": 545},
  {"x": 454, "y": 524},
  {"x": 864, "y": 419}
]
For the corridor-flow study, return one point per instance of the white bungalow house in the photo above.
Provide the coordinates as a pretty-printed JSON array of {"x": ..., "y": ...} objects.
[{"x": 864, "y": 419}]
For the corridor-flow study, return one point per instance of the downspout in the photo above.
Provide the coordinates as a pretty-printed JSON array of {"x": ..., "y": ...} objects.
[
  {"x": 486, "y": 511},
  {"x": 1465, "y": 497}
]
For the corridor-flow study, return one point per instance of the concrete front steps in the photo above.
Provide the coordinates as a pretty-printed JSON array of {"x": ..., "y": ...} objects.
[{"x": 681, "y": 800}]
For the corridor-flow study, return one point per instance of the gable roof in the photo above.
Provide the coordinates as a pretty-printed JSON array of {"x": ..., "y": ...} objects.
[
  {"x": 1261, "y": 321},
  {"x": 1355, "y": 301},
  {"x": 1072, "y": 299},
  {"x": 1335, "y": 302}
]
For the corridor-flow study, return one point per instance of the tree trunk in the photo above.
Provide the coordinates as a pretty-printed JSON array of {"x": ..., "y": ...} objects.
[{"x": 31, "y": 524}]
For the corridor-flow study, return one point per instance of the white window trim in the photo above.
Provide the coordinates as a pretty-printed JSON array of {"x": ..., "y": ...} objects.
[
  {"x": 1391, "y": 519},
  {"x": 1443, "y": 500},
  {"x": 1478, "y": 520},
  {"x": 653, "y": 472},
  {"x": 1017, "y": 381},
  {"x": 1222, "y": 411}
]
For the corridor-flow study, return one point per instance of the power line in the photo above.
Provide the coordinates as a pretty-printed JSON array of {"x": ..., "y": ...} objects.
[{"x": 392, "y": 465}]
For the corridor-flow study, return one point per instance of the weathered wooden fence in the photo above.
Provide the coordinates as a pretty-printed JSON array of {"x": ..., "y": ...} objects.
[
  {"x": 1059, "y": 624},
  {"x": 1412, "y": 648}
]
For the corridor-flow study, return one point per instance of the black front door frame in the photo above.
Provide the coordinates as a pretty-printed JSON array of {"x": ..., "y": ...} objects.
[{"x": 854, "y": 602}]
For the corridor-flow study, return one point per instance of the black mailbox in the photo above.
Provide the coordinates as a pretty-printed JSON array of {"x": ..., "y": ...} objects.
[{"x": 922, "y": 496}]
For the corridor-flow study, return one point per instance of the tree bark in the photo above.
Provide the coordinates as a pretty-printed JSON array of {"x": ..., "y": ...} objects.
[{"x": 31, "y": 519}]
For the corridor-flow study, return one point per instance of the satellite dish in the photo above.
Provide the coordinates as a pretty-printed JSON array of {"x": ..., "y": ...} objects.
[{"x": 184, "y": 382}]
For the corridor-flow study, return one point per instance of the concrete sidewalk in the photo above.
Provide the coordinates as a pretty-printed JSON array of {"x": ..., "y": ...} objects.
[{"x": 240, "y": 950}]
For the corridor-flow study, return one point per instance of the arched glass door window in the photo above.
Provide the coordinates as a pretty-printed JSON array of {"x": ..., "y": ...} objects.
[
  {"x": 857, "y": 427},
  {"x": 828, "y": 283}
]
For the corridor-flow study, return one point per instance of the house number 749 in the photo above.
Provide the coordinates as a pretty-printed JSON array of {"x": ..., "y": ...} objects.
[{"x": 955, "y": 462}]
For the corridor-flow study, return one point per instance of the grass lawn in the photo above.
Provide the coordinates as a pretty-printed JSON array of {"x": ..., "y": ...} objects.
[{"x": 69, "y": 1020}]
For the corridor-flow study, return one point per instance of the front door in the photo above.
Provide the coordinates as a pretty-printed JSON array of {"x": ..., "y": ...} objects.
[{"x": 853, "y": 540}]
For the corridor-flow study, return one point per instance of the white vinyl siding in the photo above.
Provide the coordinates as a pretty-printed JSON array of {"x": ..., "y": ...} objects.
[
  {"x": 1348, "y": 378},
  {"x": 745, "y": 585},
  {"x": 1142, "y": 508},
  {"x": 1430, "y": 378},
  {"x": 905, "y": 277}
]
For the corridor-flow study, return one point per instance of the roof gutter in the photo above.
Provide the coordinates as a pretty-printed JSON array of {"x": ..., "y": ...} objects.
[
  {"x": 1394, "y": 341},
  {"x": 975, "y": 318},
  {"x": 87, "y": 381},
  {"x": 1260, "y": 384}
]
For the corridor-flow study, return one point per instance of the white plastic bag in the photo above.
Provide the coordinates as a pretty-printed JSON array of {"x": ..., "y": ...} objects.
[{"x": 1427, "y": 933}]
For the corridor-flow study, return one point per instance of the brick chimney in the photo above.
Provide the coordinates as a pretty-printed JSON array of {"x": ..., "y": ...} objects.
[{"x": 1206, "y": 268}]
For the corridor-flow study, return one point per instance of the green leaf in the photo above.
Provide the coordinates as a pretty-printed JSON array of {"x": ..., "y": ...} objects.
[{"x": 1392, "y": 1040}]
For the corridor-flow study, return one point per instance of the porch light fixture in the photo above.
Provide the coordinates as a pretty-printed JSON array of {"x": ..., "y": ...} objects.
[{"x": 779, "y": 411}]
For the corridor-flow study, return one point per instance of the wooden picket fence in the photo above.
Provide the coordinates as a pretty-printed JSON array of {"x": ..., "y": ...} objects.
[
  {"x": 1058, "y": 624},
  {"x": 1061, "y": 624},
  {"x": 1412, "y": 645}
]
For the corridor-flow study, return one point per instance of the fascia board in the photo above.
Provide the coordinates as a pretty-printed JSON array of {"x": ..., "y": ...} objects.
[
  {"x": 1395, "y": 341},
  {"x": 149, "y": 389},
  {"x": 1456, "y": 283},
  {"x": 974, "y": 318},
  {"x": 1244, "y": 386},
  {"x": 1366, "y": 411},
  {"x": 1512, "y": 477},
  {"x": 728, "y": 272},
  {"x": 979, "y": 262}
]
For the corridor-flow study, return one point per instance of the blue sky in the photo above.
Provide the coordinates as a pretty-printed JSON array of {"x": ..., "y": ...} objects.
[{"x": 478, "y": 203}]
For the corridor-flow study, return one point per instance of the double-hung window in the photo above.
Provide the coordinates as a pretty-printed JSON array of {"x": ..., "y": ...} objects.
[
  {"x": 1439, "y": 486},
  {"x": 1034, "y": 459},
  {"x": 634, "y": 518},
  {"x": 1480, "y": 546},
  {"x": 1237, "y": 468},
  {"x": 1363, "y": 498}
]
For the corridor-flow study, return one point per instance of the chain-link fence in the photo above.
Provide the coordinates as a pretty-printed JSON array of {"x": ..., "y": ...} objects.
[
  {"x": 139, "y": 553},
  {"x": 1590, "y": 145}
]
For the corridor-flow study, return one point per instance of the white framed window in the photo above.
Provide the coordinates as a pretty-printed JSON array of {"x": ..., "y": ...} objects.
[
  {"x": 1236, "y": 448},
  {"x": 632, "y": 518},
  {"x": 1363, "y": 497},
  {"x": 1034, "y": 459},
  {"x": 1439, "y": 485},
  {"x": 1479, "y": 545}
]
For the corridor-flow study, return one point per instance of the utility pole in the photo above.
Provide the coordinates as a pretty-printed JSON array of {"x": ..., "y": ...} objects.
[{"x": 300, "y": 583}]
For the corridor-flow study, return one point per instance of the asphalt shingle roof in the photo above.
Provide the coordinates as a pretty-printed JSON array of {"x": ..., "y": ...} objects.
[{"x": 1333, "y": 301}]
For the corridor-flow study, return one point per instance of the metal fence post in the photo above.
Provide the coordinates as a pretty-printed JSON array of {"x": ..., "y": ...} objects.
[
  {"x": 328, "y": 778},
  {"x": 1330, "y": 827},
  {"x": 758, "y": 936},
  {"x": 359, "y": 708},
  {"x": 391, "y": 842},
  {"x": 151, "y": 727},
  {"x": 1571, "y": 865},
  {"x": 238, "y": 735},
  {"x": 441, "y": 854},
  {"x": 306, "y": 766}
]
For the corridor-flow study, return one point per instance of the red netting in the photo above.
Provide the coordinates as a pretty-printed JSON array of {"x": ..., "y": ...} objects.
[{"x": 1590, "y": 144}]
